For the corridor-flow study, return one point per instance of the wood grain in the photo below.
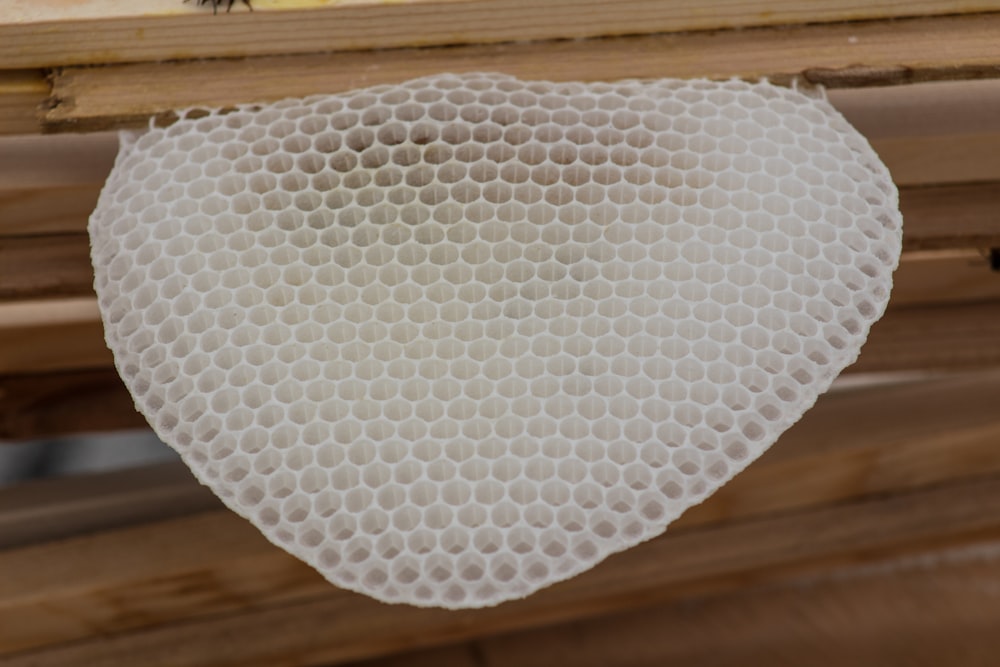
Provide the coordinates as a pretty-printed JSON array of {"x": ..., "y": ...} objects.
[
  {"x": 962, "y": 215},
  {"x": 21, "y": 95},
  {"x": 936, "y": 609},
  {"x": 307, "y": 627},
  {"x": 53, "y": 265},
  {"x": 42, "y": 405},
  {"x": 52, "y": 509},
  {"x": 47, "y": 33},
  {"x": 872, "y": 53},
  {"x": 59, "y": 334},
  {"x": 944, "y": 337},
  {"x": 845, "y": 457}
]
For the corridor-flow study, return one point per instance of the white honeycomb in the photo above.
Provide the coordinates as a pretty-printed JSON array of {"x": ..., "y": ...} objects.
[{"x": 454, "y": 340}]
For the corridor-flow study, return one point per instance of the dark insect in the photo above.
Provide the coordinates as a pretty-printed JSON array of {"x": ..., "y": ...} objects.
[{"x": 216, "y": 3}]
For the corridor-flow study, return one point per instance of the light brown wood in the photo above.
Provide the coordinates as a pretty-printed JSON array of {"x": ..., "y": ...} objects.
[
  {"x": 21, "y": 95},
  {"x": 312, "y": 628},
  {"x": 878, "y": 52},
  {"x": 936, "y": 609},
  {"x": 60, "y": 334},
  {"x": 47, "y": 33},
  {"x": 55, "y": 209},
  {"x": 854, "y": 445}
]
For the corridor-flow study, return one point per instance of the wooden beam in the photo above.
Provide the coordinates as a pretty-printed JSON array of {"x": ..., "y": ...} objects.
[
  {"x": 59, "y": 508},
  {"x": 43, "y": 405},
  {"x": 21, "y": 96},
  {"x": 964, "y": 215},
  {"x": 873, "y": 53},
  {"x": 47, "y": 33},
  {"x": 50, "y": 209},
  {"x": 829, "y": 479},
  {"x": 52, "y": 265},
  {"x": 945, "y": 337},
  {"x": 936, "y": 609},
  {"x": 41, "y": 336},
  {"x": 94, "y": 622}
]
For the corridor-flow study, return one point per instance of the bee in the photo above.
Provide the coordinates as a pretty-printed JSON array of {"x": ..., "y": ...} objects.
[{"x": 216, "y": 3}]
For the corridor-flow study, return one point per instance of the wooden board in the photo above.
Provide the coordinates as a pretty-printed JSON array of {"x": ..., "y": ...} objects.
[
  {"x": 58, "y": 508},
  {"x": 52, "y": 265},
  {"x": 939, "y": 608},
  {"x": 21, "y": 95},
  {"x": 871, "y": 53},
  {"x": 40, "y": 336},
  {"x": 219, "y": 595},
  {"x": 42, "y": 405},
  {"x": 46, "y": 33}
]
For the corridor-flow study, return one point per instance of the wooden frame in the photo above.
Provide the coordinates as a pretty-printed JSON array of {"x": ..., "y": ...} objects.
[{"x": 869, "y": 535}]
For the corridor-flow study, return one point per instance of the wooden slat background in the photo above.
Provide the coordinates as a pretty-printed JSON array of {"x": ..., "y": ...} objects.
[{"x": 868, "y": 535}]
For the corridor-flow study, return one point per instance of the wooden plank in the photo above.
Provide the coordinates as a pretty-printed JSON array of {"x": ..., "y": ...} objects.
[
  {"x": 43, "y": 405},
  {"x": 50, "y": 209},
  {"x": 878, "y": 52},
  {"x": 937, "y": 609},
  {"x": 944, "y": 337},
  {"x": 963, "y": 215},
  {"x": 852, "y": 446},
  {"x": 333, "y": 626},
  {"x": 943, "y": 276},
  {"x": 58, "y": 508},
  {"x": 941, "y": 159},
  {"x": 21, "y": 96},
  {"x": 39, "y": 336},
  {"x": 49, "y": 184},
  {"x": 48, "y": 33},
  {"x": 30, "y": 161},
  {"x": 54, "y": 265}
]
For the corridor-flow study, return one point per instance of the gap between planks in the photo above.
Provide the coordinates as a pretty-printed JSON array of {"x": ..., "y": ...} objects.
[{"x": 46, "y": 33}]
